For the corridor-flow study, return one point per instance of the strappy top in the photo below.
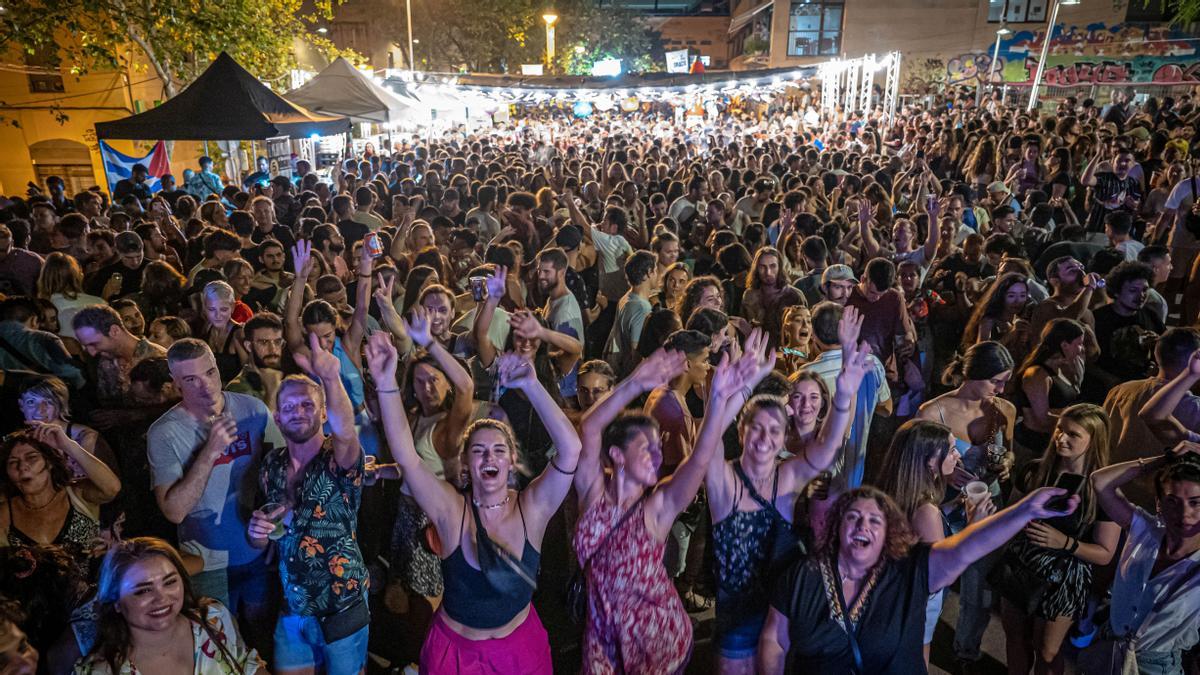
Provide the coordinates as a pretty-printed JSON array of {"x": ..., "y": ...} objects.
[
  {"x": 78, "y": 531},
  {"x": 975, "y": 455},
  {"x": 494, "y": 594}
]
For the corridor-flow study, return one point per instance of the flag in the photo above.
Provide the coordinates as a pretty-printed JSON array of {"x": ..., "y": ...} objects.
[{"x": 118, "y": 166}]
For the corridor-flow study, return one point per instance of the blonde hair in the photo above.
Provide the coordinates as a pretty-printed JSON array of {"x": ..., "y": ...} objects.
[
  {"x": 1095, "y": 422},
  {"x": 219, "y": 291},
  {"x": 60, "y": 274}
]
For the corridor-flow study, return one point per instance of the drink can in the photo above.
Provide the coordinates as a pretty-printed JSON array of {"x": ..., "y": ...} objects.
[{"x": 373, "y": 244}]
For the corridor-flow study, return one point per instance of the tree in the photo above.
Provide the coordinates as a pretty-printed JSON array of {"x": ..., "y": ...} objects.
[
  {"x": 500, "y": 35},
  {"x": 176, "y": 37}
]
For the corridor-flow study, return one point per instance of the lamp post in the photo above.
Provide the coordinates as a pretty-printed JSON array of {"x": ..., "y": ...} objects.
[
  {"x": 412, "y": 62},
  {"x": 550, "y": 18},
  {"x": 1041, "y": 68},
  {"x": 1003, "y": 31}
]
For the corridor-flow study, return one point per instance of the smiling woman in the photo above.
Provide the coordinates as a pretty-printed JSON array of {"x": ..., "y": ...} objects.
[{"x": 146, "y": 602}]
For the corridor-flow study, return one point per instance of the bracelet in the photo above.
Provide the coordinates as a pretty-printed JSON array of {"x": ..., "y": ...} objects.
[
  {"x": 1074, "y": 546},
  {"x": 364, "y": 276},
  {"x": 388, "y": 391},
  {"x": 559, "y": 469}
]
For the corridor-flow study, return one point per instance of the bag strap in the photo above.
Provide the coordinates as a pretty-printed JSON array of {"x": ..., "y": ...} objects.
[
  {"x": 486, "y": 546},
  {"x": 759, "y": 499},
  {"x": 624, "y": 517},
  {"x": 1158, "y": 606},
  {"x": 25, "y": 360},
  {"x": 849, "y": 627}
]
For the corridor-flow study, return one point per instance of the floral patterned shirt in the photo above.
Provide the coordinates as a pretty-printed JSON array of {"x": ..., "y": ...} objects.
[{"x": 320, "y": 564}]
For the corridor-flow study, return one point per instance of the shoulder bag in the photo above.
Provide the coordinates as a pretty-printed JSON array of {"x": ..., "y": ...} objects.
[{"x": 577, "y": 585}]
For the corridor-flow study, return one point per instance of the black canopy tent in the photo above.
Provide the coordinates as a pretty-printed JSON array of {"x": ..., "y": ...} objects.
[{"x": 226, "y": 103}]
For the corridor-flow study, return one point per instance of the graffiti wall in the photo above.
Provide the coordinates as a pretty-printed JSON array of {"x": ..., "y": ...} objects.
[{"x": 1086, "y": 55}]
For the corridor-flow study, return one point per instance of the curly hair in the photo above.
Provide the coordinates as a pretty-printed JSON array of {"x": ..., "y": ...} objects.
[
  {"x": 899, "y": 537},
  {"x": 47, "y": 583}
]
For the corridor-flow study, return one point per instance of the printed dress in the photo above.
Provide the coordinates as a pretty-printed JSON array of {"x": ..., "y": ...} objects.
[{"x": 636, "y": 623}]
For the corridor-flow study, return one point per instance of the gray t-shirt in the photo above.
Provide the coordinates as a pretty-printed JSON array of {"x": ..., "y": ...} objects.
[
  {"x": 215, "y": 529},
  {"x": 626, "y": 333}
]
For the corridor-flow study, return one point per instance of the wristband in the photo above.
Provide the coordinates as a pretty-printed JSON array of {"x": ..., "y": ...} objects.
[
  {"x": 1074, "y": 546},
  {"x": 388, "y": 391}
]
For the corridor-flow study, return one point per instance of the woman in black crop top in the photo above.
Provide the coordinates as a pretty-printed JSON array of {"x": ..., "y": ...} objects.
[
  {"x": 491, "y": 533},
  {"x": 1049, "y": 382}
]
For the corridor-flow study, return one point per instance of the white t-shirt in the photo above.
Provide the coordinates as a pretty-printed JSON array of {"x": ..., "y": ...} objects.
[
  {"x": 1131, "y": 248},
  {"x": 611, "y": 249}
]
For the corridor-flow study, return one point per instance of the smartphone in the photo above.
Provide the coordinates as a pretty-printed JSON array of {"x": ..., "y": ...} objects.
[
  {"x": 479, "y": 288},
  {"x": 1071, "y": 482}
]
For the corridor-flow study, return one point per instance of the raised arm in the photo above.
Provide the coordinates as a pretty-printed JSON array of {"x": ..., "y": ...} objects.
[
  {"x": 1088, "y": 179},
  {"x": 293, "y": 331},
  {"x": 1106, "y": 482},
  {"x": 357, "y": 331},
  {"x": 326, "y": 367},
  {"x": 856, "y": 361},
  {"x": 546, "y": 493},
  {"x": 933, "y": 234},
  {"x": 656, "y": 371},
  {"x": 526, "y": 325},
  {"x": 464, "y": 385},
  {"x": 1159, "y": 411},
  {"x": 577, "y": 217},
  {"x": 437, "y": 497},
  {"x": 950, "y": 557},
  {"x": 732, "y": 383},
  {"x": 388, "y": 315},
  {"x": 101, "y": 485},
  {"x": 485, "y": 312},
  {"x": 870, "y": 246}
]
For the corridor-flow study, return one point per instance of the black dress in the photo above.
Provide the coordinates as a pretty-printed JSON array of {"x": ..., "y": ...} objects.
[{"x": 890, "y": 626}]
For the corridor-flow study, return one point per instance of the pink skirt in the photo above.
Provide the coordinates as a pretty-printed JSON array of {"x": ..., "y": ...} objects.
[{"x": 525, "y": 651}]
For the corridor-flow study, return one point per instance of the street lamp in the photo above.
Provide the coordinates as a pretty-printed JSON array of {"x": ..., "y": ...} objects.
[
  {"x": 412, "y": 64},
  {"x": 1041, "y": 68},
  {"x": 550, "y": 18},
  {"x": 1002, "y": 32}
]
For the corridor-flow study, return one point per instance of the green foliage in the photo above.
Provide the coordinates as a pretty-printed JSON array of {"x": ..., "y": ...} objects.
[
  {"x": 176, "y": 37},
  {"x": 500, "y": 35},
  {"x": 1185, "y": 12}
]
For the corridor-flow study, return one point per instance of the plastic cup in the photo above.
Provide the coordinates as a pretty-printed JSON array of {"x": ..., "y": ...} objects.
[
  {"x": 280, "y": 520},
  {"x": 976, "y": 491}
]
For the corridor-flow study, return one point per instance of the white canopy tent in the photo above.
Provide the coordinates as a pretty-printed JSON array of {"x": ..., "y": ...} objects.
[{"x": 345, "y": 90}]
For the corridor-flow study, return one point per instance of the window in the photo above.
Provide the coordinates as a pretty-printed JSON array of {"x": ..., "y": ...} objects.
[
  {"x": 1017, "y": 11},
  {"x": 815, "y": 27},
  {"x": 46, "y": 78}
]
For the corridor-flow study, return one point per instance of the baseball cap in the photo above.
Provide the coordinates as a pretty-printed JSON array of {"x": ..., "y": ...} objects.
[
  {"x": 838, "y": 273},
  {"x": 998, "y": 186}
]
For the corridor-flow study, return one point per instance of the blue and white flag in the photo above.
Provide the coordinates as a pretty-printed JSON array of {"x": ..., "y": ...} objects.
[{"x": 119, "y": 166}]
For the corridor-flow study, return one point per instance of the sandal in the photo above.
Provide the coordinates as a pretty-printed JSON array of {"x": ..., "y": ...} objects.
[{"x": 695, "y": 603}]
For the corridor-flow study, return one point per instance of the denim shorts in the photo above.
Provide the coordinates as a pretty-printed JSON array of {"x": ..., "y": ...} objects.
[
  {"x": 740, "y": 641},
  {"x": 300, "y": 644}
]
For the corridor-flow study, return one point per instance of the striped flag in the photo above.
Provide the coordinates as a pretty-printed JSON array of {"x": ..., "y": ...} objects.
[{"x": 119, "y": 166}]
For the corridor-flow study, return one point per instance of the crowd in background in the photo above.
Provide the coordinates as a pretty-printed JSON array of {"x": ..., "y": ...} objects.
[{"x": 535, "y": 399}]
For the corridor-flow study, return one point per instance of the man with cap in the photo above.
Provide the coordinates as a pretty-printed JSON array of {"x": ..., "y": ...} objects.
[{"x": 837, "y": 282}]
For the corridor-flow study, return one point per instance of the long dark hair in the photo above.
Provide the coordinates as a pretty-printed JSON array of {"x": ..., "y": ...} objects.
[
  {"x": 1050, "y": 342},
  {"x": 907, "y": 478},
  {"x": 113, "y": 639},
  {"x": 991, "y": 305},
  {"x": 543, "y": 367}
]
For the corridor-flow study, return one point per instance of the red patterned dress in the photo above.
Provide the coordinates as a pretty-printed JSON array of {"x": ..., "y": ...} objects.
[{"x": 635, "y": 621}]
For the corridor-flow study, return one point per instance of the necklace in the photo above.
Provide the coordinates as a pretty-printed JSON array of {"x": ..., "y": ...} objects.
[
  {"x": 25, "y": 502},
  {"x": 492, "y": 507}
]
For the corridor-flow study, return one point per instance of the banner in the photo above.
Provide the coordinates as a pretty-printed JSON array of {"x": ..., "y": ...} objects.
[
  {"x": 118, "y": 166},
  {"x": 677, "y": 61}
]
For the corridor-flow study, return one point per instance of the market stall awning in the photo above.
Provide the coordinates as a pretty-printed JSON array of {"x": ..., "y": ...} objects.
[
  {"x": 342, "y": 89},
  {"x": 226, "y": 103}
]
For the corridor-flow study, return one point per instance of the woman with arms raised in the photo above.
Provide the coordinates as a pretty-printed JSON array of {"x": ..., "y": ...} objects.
[
  {"x": 752, "y": 499},
  {"x": 636, "y": 622},
  {"x": 486, "y": 623}
]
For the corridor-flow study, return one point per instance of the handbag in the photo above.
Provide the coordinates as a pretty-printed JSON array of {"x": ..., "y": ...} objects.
[
  {"x": 577, "y": 584},
  {"x": 346, "y": 621},
  {"x": 1022, "y": 585}
]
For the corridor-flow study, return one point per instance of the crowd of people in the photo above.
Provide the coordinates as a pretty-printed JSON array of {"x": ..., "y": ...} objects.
[{"x": 617, "y": 373}]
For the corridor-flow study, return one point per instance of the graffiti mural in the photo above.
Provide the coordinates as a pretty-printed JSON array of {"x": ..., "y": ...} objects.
[{"x": 1086, "y": 55}]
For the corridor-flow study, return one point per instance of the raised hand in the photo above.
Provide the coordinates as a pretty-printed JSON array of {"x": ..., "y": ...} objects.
[
  {"x": 525, "y": 324},
  {"x": 417, "y": 326},
  {"x": 302, "y": 258},
  {"x": 515, "y": 372},
  {"x": 1194, "y": 364},
  {"x": 856, "y": 362},
  {"x": 318, "y": 361},
  {"x": 381, "y": 358},
  {"x": 659, "y": 369},
  {"x": 221, "y": 432},
  {"x": 50, "y": 434},
  {"x": 934, "y": 208},
  {"x": 864, "y": 211},
  {"x": 849, "y": 326},
  {"x": 726, "y": 380},
  {"x": 1185, "y": 447},
  {"x": 757, "y": 361},
  {"x": 383, "y": 289},
  {"x": 497, "y": 283}
]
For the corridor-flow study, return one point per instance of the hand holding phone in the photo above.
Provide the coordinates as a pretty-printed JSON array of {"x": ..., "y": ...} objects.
[{"x": 1071, "y": 482}]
